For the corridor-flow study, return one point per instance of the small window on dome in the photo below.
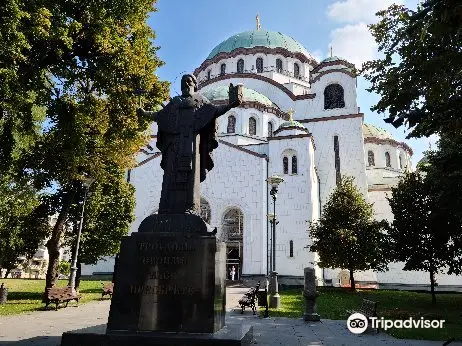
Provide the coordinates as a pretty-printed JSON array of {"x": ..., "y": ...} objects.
[
  {"x": 231, "y": 124},
  {"x": 279, "y": 65},
  {"x": 387, "y": 159},
  {"x": 208, "y": 74},
  {"x": 252, "y": 126},
  {"x": 296, "y": 70},
  {"x": 285, "y": 165},
  {"x": 240, "y": 66},
  {"x": 259, "y": 64},
  {"x": 401, "y": 162},
  {"x": 223, "y": 69},
  {"x": 270, "y": 129},
  {"x": 370, "y": 158},
  {"x": 334, "y": 97}
]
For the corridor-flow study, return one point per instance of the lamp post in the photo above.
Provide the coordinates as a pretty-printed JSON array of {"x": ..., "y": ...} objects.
[
  {"x": 86, "y": 183},
  {"x": 274, "y": 181}
]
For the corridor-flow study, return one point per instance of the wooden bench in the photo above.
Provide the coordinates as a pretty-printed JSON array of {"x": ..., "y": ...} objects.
[
  {"x": 58, "y": 295},
  {"x": 368, "y": 308},
  {"x": 249, "y": 299},
  {"x": 108, "y": 289}
]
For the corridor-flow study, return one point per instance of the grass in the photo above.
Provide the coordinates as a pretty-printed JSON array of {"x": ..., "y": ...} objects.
[
  {"x": 25, "y": 295},
  {"x": 332, "y": 303}
]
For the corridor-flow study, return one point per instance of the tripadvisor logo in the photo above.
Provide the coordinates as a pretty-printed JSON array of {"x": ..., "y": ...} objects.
[{"x": 357, "y": 323}]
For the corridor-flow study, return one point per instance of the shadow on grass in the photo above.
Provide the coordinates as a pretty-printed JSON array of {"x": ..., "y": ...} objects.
[{"x": 25, "y": 295}]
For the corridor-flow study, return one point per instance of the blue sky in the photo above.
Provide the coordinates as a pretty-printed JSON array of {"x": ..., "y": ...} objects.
[{"x": 188, "y": 30}]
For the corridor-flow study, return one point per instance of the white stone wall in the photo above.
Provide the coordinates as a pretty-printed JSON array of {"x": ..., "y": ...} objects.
[
  {"x": 238, "y": 180},
  {"x": 296, "y": 203},
  {"x": 350, "y": 149}
]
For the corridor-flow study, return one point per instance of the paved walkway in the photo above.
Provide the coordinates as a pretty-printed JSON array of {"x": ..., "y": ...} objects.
[{"x": 44, "y": 328}]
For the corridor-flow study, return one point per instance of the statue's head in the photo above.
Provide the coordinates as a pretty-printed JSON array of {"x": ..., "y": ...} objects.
[{"x": 188, "y": 85}]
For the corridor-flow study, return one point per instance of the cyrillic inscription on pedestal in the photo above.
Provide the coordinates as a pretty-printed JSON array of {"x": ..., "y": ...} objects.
[{"x": 168, "y": 283}]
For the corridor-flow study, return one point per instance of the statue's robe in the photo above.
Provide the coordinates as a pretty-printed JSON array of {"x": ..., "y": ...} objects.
[{"x": 186, "y": 137}]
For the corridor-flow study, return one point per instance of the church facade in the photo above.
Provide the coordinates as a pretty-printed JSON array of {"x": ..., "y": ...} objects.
[{"x": 299, "y": 120}]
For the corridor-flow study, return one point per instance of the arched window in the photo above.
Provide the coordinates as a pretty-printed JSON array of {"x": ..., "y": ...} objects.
[
  {"x": 205, "y": 210},
  {"x": 334, "y": 97},
  {"x": 294, "y": 164},
  {"x": 296, "y": 70},
  {"x": 270, "y": 129},
  {"x": 231, "y": 124},
  {"x": 401, "y": 162},
  {"x": 338, "y": 175},
  {"x": 387, "y": 159},
  {"x": 208, "y": 74},
  {"x": 291, "y": 248},
  {"x": 252, "y": 126},
  {"x": 233, "y": 225},
  {"x": 370, "y": 158},
  {"x": 223, "y": 69},
  {"x": 278, "y": 65},
  {"x": 259, "y": 64},
  {"x": 285, "y": 165},
  {"x": 240, "y": 66}
]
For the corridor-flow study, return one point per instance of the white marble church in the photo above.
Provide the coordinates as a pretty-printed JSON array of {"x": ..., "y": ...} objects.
[{"x": 299, "y": 120}]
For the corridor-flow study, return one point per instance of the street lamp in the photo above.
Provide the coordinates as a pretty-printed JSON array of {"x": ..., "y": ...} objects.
[
  {"x": 86, "y": 183},
  {"x": 274, "y": 181}
]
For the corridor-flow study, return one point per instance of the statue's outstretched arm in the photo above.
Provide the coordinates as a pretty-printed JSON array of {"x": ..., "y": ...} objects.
[
  {"x": 152, "y": 115},
  {"x": 235, "y": 98}
]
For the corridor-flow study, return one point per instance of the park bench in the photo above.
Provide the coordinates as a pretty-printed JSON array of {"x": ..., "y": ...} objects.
[
  {"x": 108, "y": 289},
  {"x": 249, "y": 299},
  {"x": 368, "y": 308},
  {"x": 58, "y": 295}
]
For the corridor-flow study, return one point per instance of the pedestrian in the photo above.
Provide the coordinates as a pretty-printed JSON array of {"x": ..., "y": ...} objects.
[{"x": 232, "y": 272}]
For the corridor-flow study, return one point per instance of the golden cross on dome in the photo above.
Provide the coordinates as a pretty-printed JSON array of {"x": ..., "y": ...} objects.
[
  {"x": 258, "y": 22},
  {"x": 291, "y": 112}
]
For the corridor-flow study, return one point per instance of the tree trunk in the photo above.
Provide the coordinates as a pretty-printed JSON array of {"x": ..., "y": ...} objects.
[
  {"x": 432, "y": 286},
  {"x": 352, "y": 281},
  {"x": 78, "y": 275},
  {"x": 54, "y": 242}
]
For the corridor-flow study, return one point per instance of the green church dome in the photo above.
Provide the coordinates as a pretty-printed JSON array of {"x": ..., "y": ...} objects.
[
  {"x": 292, "y": 123},
  {"x": 258, "y": 38},
  {"x": 220, "y": 93},
  {"x": 376, "y": 132}
]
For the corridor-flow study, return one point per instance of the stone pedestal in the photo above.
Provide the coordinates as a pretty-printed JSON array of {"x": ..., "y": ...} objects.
[
  {"x": 309, "y": 293},
  {"x": 169, "y": 288},
  {"x": 275, "y": 299}
]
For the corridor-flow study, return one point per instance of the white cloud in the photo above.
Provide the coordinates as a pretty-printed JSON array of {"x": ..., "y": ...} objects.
[
  {"x": 353, "y": 43},
  {"x": 351, "y": 11},
  {"x": 317, "y": 55}
]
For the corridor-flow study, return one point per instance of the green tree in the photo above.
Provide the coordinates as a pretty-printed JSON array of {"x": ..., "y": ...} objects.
[
  {"x": 346, "y": 236},
  {"x": 94, "y": 54},
  {"x": 64, "y": 268},
  {"x": 107, "y": 218},
  {"x": 419, "y": 236},
  {"x": 23, "y": 222},
  {"x": 419, "y": 78}
]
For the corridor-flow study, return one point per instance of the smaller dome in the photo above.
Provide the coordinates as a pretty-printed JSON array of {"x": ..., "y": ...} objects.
[
  {"x": 423, "y": 162},
  {"x": 332, "y": 58},
  {"x": 291, "y": 123},
  {"x": 220, "y": 93},
  {"x": 371, "y": 131}
]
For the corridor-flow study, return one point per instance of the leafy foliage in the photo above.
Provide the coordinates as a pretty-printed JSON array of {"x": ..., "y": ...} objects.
[
  {"x": 23, "y": 221},
  {"x": 419, "y": 236},
  {"x": 346, "y": 236},
  {"x": 64, "y": 268},
  {"x": 419, "y": 78},
  {"x": 444, "y": 174},
  {"x": 77, "y": 63},
  {"x": 107, "y": 218}
]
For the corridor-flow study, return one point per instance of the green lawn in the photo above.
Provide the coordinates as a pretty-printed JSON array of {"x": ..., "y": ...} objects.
[
  {"x": 332, "y": 303},
  {"x": 25, "y": 295}
]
